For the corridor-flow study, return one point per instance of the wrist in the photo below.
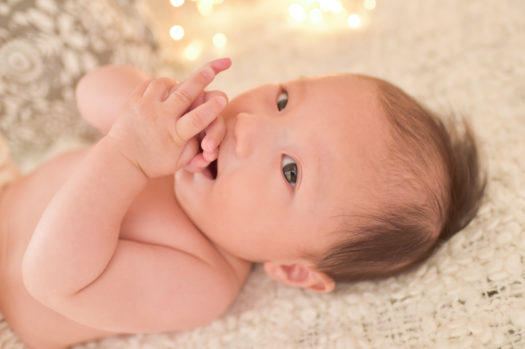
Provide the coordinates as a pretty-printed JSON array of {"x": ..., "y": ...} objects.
[{"x": 119, "y": 161}]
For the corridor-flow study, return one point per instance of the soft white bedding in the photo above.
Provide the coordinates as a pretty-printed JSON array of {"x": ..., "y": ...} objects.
[{"x": 464, "y": 56}]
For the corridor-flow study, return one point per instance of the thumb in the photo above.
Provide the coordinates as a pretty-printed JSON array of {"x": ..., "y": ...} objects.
[{"x": 189, "y": 151}]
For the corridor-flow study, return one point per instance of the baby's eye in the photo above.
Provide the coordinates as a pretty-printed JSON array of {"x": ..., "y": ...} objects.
[
  {"x": 282, "y": 99},
  {"x": 290, "y": 170}
]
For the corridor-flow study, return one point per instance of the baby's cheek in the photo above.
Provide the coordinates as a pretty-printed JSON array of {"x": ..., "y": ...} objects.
[{"x": 174, "y": 184}]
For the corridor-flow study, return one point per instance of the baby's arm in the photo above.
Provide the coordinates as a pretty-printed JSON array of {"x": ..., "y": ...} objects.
[{"x": 75, "y": 262}]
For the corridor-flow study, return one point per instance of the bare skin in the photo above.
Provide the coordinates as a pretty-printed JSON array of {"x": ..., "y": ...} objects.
[
  {"x": 153, "y": 231},
  {"x": 130, "y": 235},
  {"x": 23, "y": 202}
]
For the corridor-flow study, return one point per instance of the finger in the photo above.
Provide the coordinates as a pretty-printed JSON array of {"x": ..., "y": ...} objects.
[
  {"x": 171, "y": 84},
  {"x": 139, "y": 90},
  {"x": 188, "y": 91},
  {"x": 197, "y": 120},
  {"x": 221, "y": 64},
  {"x": 158, "y": 88},
  {"x": 196, "y": 164},
  {"x": 214, "y": 134},
  {"x": 206, "y": 96},
  {"x": 190, "y": 150},
  {"x": 176, "y": 84},
  {"x": 209, "y": 156},
  {"x": 203, "y": 97}
]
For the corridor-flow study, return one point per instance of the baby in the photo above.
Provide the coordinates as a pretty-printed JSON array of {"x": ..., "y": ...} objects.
[{"x": 155, "y": 227}]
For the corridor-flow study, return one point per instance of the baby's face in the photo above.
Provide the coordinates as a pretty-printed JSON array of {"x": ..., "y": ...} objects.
[{"x": 295, "y": 156}]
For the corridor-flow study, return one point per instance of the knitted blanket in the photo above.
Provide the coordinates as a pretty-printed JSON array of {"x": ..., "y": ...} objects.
[{"x": 466, "y": 57}]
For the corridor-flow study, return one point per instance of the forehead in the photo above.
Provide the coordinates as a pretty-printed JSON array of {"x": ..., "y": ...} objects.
[
  {"x": 344, "y": 132},
  {"x": 337, "y": 100},
  {"x": 337, "y": 91}
]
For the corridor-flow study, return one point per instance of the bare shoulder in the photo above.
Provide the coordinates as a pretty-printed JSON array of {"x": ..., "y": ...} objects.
[
  {"x": 238, "y": 267},
  {"x": 154, "y": 217}
]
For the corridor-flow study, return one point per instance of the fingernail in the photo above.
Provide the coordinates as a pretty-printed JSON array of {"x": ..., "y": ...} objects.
[
  {"x": 209, "y": 156},
  {"x": 222, "y": 101},
  {"x": 210, "y": 144},
  {"x": 221, "y": 63}
]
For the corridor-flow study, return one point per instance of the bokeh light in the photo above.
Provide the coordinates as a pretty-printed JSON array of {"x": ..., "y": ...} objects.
[
  {"x": 199, "y": 36},
  {"x": 219, "y": 40},
  {"x": 176, "y": 32},
  {"x": 297, "y": 12},
  {"x": 177, "y": 3},
  {"x": 193, "y": 51},
  {"x": 370, "y": 4},
  {"x": 354, "y": 20}
]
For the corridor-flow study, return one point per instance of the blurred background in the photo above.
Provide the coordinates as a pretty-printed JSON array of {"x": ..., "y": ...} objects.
[
  {"x": 458, "y": 57},
  {"x": 269, "y": 41},
  {"x": 425, "y": 47}
]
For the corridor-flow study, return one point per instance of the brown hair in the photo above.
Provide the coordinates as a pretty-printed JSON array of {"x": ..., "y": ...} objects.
[{"x": 433, "y": 188}]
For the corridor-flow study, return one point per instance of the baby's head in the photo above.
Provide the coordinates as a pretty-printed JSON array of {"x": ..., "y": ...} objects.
[{"x": 334, "y": 178}]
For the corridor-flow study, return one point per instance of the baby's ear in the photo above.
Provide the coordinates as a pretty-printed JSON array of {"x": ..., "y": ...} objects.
[{"x": 300, "y": 275}]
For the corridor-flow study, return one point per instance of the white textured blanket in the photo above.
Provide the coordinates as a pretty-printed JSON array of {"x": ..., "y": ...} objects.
[{"x": 465, "y": 56}]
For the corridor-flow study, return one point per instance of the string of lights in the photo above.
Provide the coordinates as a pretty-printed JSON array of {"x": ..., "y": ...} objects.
[{"x": 301, "y": 14}]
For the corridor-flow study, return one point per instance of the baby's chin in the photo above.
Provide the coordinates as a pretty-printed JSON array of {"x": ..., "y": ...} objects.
[
  {"x": 193, "y": 194},
  {"x": 192, "y": 189}
]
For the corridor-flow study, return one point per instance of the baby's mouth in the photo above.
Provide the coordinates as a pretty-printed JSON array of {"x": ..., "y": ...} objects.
[{"x": 212, "y": 169}]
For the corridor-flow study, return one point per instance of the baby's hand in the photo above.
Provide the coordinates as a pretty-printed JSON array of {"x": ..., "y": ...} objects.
[
  {"x": 209, "y": 140},
  {"x": 158, "y": 124}
]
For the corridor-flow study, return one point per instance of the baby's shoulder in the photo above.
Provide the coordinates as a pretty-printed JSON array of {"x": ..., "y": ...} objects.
[{"x": 155, "y": 217}]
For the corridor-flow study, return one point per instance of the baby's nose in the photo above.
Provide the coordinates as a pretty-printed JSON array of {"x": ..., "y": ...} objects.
[{"x": 245, "y": 130}]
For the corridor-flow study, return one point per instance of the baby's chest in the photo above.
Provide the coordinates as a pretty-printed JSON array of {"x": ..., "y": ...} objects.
[{"x": 155, "y": 217}]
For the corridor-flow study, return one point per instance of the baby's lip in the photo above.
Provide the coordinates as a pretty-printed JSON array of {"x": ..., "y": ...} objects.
[
  {"x": 219, "y": 161},
  {"x": 221, "y": 151},
  {"x": 225, "y": 155}
]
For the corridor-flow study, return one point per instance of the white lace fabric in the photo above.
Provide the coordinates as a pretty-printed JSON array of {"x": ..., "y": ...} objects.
[
  {"x": 467, "y": 56},
  {"x": 45, "y": 47}
]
